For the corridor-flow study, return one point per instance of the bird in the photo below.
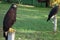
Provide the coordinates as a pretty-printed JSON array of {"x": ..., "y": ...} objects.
[
  {"x": 9, "y": 20},
  {"x": 53, "y": 12}
]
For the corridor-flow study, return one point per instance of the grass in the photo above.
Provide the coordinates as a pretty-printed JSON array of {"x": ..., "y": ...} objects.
[{"x": 31, "y": 23}]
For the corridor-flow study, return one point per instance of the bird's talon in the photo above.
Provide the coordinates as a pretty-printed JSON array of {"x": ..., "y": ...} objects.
[{"x": 11, "y": 30}]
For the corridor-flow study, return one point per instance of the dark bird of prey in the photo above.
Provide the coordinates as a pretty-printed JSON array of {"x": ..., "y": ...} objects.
[
  {"x": 53, "y": 12},
  {"x": 9, "y": 20}
]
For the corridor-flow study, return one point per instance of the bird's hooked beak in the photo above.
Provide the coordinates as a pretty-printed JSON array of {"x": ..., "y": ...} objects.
[{"x": 17, "y": 5}]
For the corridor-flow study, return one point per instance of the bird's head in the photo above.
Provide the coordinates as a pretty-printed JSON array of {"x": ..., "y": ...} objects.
[{"x": 14, "y": 5}]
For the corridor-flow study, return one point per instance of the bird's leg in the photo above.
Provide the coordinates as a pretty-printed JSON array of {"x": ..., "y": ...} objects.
[{"x": 11, "y": 30}]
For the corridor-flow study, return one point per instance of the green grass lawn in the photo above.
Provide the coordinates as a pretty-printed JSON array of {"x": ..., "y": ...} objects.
[{"x": 31, "y": 23}]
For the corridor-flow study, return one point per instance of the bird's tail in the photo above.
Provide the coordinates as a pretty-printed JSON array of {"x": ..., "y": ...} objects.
[
  {"x": 48, "y": 19},
  {"x": 5, "y": 34}
]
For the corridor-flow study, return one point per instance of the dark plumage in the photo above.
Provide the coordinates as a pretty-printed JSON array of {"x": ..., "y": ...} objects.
[
  {"x": 53, "y": 12},
  {"x": 9, "y": 20}
]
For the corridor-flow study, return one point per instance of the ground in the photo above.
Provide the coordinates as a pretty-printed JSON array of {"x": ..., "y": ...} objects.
[{"x": 31, "y": 23}]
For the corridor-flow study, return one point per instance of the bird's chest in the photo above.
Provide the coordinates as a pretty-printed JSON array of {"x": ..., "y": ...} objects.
[{"x": 12, "y": 14}]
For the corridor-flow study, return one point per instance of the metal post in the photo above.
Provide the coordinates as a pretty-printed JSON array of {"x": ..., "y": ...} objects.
[
  {"x": 11, "y": 35},
  {"x": 55, "y": 23}
]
